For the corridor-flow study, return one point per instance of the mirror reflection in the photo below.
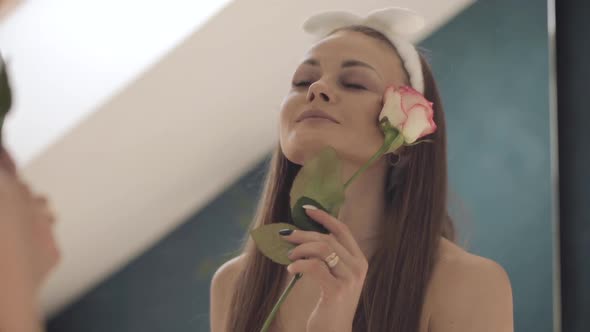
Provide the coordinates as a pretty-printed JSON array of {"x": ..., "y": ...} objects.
[{"x": 408, "y": 150}]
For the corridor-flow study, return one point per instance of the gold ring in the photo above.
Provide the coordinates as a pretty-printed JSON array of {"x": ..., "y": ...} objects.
[{"x": 332, "y": 260}]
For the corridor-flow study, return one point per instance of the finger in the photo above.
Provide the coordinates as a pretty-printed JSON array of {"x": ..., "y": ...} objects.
[
  {"x": 339, "y": 229},
  {"x": 321, "y": 250},
  {"x": 318, "y": 271},
  {"x": 299, "y": 237}
]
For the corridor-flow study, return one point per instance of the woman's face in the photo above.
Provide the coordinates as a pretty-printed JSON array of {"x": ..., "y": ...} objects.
[{"x": 343, "y": 77}]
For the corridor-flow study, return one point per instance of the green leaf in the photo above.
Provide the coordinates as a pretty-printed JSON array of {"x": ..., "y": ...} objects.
[
  {"x": 302, "y": 220},
  {"x": 271, "y": 244},
  {"x": 320, "y": 180}
]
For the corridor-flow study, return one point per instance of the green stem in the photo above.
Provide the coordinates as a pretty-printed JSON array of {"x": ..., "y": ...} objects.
[
  {"x": 391, "y": 136},
  {"x": 275, "y": 309}
]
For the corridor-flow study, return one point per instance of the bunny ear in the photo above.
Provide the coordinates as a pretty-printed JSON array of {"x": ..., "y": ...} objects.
[
  {"x": 323, "y": 23},
  {"x": 400, "y": 21},
  {"x": 394, "y": 23}
]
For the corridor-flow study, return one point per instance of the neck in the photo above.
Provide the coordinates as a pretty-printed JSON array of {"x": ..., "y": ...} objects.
[{"x": 363, "y": 208}]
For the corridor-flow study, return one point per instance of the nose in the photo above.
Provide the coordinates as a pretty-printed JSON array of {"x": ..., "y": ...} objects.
[
  {"x": 46, "y": 208},
  {"x": 320, "y": 91}
]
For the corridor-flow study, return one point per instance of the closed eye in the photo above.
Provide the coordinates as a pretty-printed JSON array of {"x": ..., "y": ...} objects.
[
  {"x": 354, "y": 86},
  {"x": 346, "y": 85},
  {"x": 301, "y": 84}
]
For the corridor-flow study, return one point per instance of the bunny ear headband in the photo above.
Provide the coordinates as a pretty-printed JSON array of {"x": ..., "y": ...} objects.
[{"x": 394, "y": 23}]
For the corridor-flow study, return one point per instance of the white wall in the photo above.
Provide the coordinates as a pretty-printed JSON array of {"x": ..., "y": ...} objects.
[{"x": 67, "y": 57}]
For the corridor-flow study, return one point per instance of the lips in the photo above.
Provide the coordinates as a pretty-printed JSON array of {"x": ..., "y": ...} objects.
[{"x": 315, "y": 114}]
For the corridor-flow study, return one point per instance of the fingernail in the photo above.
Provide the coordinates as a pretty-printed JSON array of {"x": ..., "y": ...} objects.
[
  {"x": 289, "y": 252},
  {"x": 285, "y": 232},
  {"x": 310, "y": 207}
]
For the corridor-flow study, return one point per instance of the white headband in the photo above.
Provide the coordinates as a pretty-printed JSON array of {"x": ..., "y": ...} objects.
[{"x": 394, "y": 23}]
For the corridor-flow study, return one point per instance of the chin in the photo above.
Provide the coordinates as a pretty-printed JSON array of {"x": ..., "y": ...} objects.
[{"x": 299, "y": 150}]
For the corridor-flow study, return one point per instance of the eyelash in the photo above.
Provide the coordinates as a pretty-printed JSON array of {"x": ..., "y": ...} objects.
[
  {"x": 355, "y": 86},
  {"x": 351, "y": 86},
  {"x": 301, "y": 84}
]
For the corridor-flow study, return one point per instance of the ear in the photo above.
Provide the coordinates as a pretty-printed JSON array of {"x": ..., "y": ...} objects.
[
  {"x": 400, "y": 21},
  {"x": 393, "y": 158},
  {"x": 323, "y": 23}
]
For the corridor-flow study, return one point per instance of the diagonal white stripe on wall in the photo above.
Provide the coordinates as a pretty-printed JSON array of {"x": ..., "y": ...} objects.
[{"x": 68, "y": 56}]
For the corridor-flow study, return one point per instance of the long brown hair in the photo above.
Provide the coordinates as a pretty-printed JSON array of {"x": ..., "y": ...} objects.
[{"x": 400, "y": 269}]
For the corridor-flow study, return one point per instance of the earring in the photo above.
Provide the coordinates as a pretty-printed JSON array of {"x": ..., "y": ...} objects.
[{"x": 393, "y": 159}]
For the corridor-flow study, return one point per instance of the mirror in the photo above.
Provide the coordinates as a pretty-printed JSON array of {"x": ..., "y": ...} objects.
[{"x": 161, "y": 139}]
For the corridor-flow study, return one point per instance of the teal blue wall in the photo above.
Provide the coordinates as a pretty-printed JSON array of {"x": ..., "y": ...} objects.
[
  {"x": 167, "y": 288},
  {"x": 491, "y": 65}
]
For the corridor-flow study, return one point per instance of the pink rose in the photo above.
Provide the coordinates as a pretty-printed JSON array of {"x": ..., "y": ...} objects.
[{"x": 409, "y": 112}]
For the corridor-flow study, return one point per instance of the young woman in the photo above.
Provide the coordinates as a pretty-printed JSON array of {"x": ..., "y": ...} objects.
[{"x": 398, "y": 269}]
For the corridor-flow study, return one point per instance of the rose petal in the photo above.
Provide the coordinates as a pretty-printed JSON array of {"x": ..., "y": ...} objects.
[
  {"x": 403, "y": 101},
  {"x": 418, "y": 123},
  {"x": 432, "y": 128},
  {"x": 408, "y": 90},
  {"x": 392, "y": 108},
  {"x": 409, "y": 100}
]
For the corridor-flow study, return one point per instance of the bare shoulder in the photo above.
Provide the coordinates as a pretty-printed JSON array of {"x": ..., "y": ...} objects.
[
  {"x": 228, "y": 270},
  {"x": 468, "y": 293},
  {"x": 222, "y": 286}
]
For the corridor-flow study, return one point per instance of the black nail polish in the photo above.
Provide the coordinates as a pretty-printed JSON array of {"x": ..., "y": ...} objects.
[{"x": 285, "y": 231}]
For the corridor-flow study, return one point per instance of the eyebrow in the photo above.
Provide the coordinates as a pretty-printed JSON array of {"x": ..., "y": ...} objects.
[{"x": 345, "y": 64}]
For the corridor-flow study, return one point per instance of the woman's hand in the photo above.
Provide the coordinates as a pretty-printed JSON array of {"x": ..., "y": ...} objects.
[{"x": 340, "y": 285}]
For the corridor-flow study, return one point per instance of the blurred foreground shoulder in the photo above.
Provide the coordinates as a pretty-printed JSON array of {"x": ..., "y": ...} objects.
[
  {"x": 222, "y": 287},
  {"x": 469, "y": 293}
]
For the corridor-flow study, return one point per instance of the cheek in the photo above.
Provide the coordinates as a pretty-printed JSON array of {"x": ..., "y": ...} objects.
[
  {"x": 288, "y": 112},
  {"x": 365, "y": 116},
  {"x": 364, "y": 136}
]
